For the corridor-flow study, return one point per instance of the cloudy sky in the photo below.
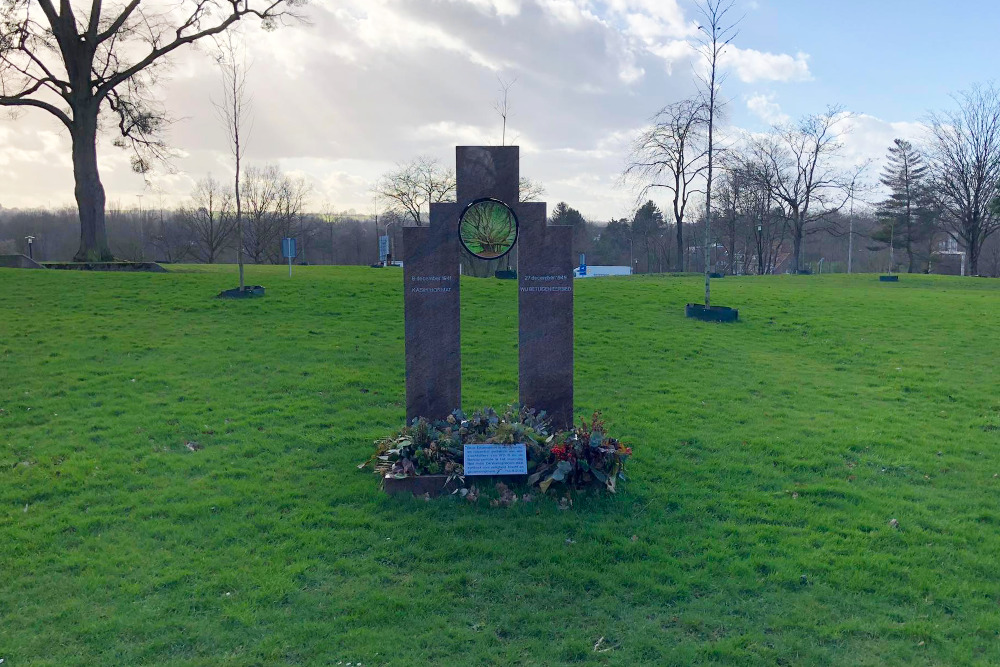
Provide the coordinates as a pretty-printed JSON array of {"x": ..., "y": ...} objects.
[{"x": 369, "y": 83}]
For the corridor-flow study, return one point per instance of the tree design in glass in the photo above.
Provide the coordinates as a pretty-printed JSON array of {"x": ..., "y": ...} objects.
[{"x": 488, "y": 229}]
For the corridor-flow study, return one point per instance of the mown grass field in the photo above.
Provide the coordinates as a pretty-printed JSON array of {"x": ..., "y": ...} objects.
[{"x": 771, "y": 456}]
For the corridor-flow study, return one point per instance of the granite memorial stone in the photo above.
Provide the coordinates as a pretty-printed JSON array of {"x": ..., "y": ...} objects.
[
  {"x": 545, "y": 315},
  {"x": 487, "y": 220},
  {"x": 431, "y": 315}
]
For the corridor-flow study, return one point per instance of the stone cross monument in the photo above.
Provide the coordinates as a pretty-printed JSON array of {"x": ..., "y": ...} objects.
[{"x": 545, "y": 294}]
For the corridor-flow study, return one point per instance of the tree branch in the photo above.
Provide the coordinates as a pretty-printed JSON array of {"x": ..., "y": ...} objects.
[
  {"x": 180, "y": 40},
  {"x": 17, "y": 101},
  {"x": 117, "y": 23},
  {"x": 95, "y": 19}
]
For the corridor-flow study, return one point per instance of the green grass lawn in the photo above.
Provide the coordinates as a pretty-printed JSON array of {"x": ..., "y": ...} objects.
[{"x": 770, "y": 457}]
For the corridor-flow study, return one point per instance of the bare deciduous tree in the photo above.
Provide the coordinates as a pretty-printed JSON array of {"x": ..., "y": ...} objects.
[
  {"x": 718, "y": 33},
  {"x": 529, "y": 190},
  {"x": 502, "y": 106},
  {"x": 731, "y": 191},
  {"x": 803, "y": 176},
  {"x": 275, "y": 205},
  {"x": 105, "y": 61},
  {"x": 235, "y": 110},
  {"x": 965, "y": 160},
  {"x": 210, "y": 220},
  {"x": 171, "y": 239},
  {"x": 413, "y": 186},
  {"x": 262, "y": 192},
  {"x": 747, "y": 190},
  {"x": 671, "y": 155},
  {"x": 289, "y": 210}
]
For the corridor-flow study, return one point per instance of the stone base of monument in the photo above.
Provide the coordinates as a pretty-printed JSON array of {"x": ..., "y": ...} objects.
[
  {"x": 18, "y": 262},
  {"x": 889, "y": 279},
  {"x": 248, "y": 292},
  {"x": 712, "y": 314},
  {"x": 432, "y": 485},
  {"x": 151, "y": 267},
  {"x": 716, "y": 276},
  {"x": 505, "y": 275}
]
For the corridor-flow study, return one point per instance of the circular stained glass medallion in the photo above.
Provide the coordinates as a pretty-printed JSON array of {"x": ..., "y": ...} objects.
[{"x": 488, "y": 228}]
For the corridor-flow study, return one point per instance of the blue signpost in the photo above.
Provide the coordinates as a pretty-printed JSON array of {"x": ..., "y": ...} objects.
[
  {"x": 583, "y": 264},
  {"x": 288, "y": 250},
  {"x": 383, "y": 248}
]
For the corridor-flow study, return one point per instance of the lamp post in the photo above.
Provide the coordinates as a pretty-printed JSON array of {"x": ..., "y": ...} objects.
[
  {"x": 388, "y": 259},
  {"x": 850, "y": 235},
  {"x": 142, "y": 236},
  {"x": 378, "y": 247},
  {"x": 760, "y": 249},
  {"x": 30, "y": 240}
]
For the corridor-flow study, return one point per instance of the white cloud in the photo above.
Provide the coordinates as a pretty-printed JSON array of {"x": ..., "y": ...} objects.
[
  {"x": 675, "y": 52},
  {"x": 384, "y": 27},
  {"x": 369, "y": 83},
  {"x": 764, "y": 107},
  {"x": 501, "y": 8},
  {"x": 665, "y": 20},
  {"x": 867, "y": 137},
  {"x": 460, "y": 134},
  {"x": 568, "y": 11},
  {"x": 629, "y": 73},
  {"x": 752, "y": 66}
]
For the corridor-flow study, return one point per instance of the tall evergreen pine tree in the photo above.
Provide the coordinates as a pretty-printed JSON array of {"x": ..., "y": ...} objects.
[{"x": 906, "y": 216}]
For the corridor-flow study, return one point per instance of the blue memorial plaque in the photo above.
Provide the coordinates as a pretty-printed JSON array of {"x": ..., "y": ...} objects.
[
  {"x": 496, "y": 460},
  {"x": 288, "y": 248}
]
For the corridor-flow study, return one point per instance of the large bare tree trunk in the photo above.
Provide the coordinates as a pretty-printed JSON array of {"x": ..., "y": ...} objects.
[
  {"x": 89, "y": 190},
  {"x": 681, "y": 255},
  {"x": 974, "y": 249},
  {"x": 796, "y": 250}
]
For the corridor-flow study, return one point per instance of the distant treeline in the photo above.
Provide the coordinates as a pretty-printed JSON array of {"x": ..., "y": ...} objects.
[
  {"x": 166, "y": 235},
  {"x": 749, "y": 243},
  {"x": 205, "y": 234}
]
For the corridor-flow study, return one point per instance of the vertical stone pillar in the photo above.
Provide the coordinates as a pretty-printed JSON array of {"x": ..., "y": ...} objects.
[
  {"x": 486, "y": 171},
  {"x": 545, "y": 314},
  {"x": 431, "y": 313}
]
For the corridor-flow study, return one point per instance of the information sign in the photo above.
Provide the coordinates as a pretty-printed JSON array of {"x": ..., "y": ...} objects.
[
  {"x": 488, "y": 459},
  {"x": 383, "y": 248}
]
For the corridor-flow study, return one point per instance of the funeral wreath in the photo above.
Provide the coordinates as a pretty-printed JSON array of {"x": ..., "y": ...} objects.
[{"x": 579, "y": 457}]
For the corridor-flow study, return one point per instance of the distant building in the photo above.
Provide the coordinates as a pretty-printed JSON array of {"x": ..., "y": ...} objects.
[
  {"x": 602, "y": 271},
  {"x": 948, "y": 259}
]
